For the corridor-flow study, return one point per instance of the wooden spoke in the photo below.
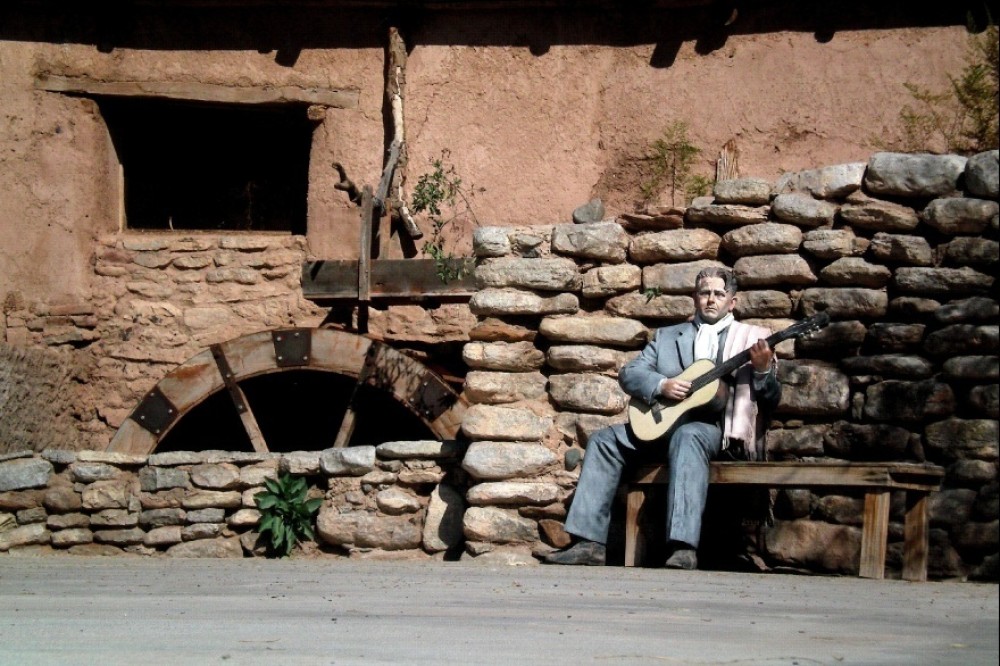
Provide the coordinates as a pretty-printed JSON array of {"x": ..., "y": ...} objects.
[
  {"x": 239, "y": 401},
  {"x": 346, "y": 428}
]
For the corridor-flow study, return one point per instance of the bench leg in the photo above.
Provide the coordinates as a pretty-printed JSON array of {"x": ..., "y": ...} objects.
[
  {"x": 874, "y": 534},
  {"x": 916, "y": 536},
  {"x": 634, "y": 543}
]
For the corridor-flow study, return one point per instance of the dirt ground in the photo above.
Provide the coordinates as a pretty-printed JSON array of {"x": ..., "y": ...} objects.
[{"x": 127, "y": 611}]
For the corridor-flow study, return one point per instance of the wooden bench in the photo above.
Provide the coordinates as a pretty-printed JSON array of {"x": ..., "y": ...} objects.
[{"x": 878, "y": 480}]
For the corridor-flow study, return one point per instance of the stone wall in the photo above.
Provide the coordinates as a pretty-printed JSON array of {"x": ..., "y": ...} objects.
[
  {"x": 397, "y": 497},
  {"x": 73, "y": 369},
  {"x": 900, "y": 252}
]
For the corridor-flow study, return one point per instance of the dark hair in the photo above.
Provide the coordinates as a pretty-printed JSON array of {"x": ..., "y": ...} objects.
[{"x": 728, "y": 278}]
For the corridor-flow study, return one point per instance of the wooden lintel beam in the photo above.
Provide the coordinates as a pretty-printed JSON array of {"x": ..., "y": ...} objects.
[
  {"x": 346, "y": 98},
  {"x": 400, "y": 279}
]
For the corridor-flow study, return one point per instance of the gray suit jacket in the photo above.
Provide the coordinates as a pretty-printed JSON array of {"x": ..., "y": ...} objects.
[{"x": 667, "y": 355}]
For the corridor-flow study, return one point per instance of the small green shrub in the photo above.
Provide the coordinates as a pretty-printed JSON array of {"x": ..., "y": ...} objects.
[
  {"x": 963, "y": 118},
  {"x": 652, "y": 293},
  {"x": 671, "y": 159},
  {"x": 441, "y": 195},
  {"x": 285, "y": 513}
]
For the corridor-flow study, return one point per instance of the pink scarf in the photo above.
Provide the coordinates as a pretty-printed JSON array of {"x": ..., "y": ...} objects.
[{"x": 742, "y": 422}]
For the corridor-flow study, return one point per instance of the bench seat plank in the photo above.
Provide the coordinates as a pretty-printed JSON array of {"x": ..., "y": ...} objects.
[{"x": 878, "y": 479}]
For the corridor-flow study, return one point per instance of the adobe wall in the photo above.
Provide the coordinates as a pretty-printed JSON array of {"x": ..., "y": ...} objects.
[{"x": 542, "y": 112}]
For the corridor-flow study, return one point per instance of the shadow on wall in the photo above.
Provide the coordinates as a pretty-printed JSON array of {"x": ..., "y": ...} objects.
[{"x": 287, "y": 31}]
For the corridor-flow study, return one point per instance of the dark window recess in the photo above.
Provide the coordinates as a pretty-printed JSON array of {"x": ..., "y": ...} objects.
[{"x": 209, "y": 166}]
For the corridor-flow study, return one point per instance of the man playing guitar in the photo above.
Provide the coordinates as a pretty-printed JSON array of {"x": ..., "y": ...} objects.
[{"x": 734, "y": 422}]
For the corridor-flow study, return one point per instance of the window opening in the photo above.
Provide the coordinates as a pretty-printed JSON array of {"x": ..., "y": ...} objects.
[{"x": 213, "y": 167}]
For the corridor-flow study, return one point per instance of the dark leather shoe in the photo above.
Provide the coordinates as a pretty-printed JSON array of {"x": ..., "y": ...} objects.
[
  {"x": 682, "y": 558},
  {"x": 588, "y": 553}
]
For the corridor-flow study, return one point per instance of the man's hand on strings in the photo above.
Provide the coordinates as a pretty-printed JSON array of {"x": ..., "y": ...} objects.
[
  {"x": 675, "y": 389},
  {"x": 761, "y": 355}
]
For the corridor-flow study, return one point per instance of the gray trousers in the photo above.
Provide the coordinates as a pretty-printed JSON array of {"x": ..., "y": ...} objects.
[{"x": 609, "y": 450}]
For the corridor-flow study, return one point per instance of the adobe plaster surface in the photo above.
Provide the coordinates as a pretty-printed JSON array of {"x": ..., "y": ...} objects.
[{"x": 541, "y": 113}]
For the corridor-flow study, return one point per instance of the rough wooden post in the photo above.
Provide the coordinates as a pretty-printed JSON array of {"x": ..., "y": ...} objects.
[
  {"x": 728, "y": 166},
  {"x": 635, "y": 545},
  {"x": 874, "y": 533},
  {"x": 395, "y": 94},
  {"x": 916, "y": 535},
  {"x": 365, "y": 259}
]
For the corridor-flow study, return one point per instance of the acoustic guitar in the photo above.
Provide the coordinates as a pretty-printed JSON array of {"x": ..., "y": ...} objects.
[{"x": 651, "y": 422}]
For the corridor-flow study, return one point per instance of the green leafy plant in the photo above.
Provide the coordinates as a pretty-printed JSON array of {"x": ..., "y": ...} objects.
[
  {"x": 671, "y": 160},
  {"x": 442, "y": 195},
  {"x": 963, "y": 118},
  {"x": 651, "y": 293},
  {"x": 286, "y": 513}
]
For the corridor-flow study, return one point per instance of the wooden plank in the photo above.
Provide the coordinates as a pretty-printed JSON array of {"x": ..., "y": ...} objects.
[
  {"x": 365, "y": 255},
  {"x": 133, "y": 438},
  {"x": 401, "y": 279},
  {"x": 791, "y": 474},
  {"x": 346, "y": 98},
  {"x": 338, "y": 351},
  {"x": 806, "y": 475},
  {"x": 916, "y": 537},
  {"x": 874, "y": 534},
  {"x": 188, "y": 384},
  {"x": 390, "y": 166}
]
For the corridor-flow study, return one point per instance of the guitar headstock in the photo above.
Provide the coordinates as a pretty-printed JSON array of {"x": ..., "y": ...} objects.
[
  {"x": 810, "y": 324},
  {"x": 804, "y": 327}
]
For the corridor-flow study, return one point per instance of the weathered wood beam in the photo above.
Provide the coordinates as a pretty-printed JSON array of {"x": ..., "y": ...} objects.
[
  {"x": 390, "y": 279},
  {"x": 201, "y": 92}
]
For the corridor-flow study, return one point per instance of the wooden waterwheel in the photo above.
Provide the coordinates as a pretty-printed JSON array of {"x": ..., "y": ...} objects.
[{"x": 222, "y": 369}]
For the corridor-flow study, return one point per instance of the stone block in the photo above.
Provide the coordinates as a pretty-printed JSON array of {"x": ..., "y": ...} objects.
[
  {"x": 552, "y": 274},
  {"x": 364, "y": 530},
  {"x": 913, "y": 175},
  {"x": 443, "y": 523},
  {"x": 505, "y": 460},
  {"x": 606, "y": 242},
  {"x": 349, "y": 461},
  {"x": 674, "y": 246},
  {"x": 496, "y": 525},
  {"x": 212, "y": 548},
  {"x": 23, "y": 473},
  {"x": 494, "y": 422}
]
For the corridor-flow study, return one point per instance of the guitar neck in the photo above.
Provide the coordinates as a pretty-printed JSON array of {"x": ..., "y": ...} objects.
[{"x": 732, "y": 363}]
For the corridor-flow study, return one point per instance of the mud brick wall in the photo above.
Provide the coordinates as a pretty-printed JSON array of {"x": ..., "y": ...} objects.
[
  {"x": 901, "y": 252},
  {"x": 397, "y": 497}
]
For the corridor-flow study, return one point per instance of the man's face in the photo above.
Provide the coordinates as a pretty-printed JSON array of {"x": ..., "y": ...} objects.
[{"x": 711, "y": 299}]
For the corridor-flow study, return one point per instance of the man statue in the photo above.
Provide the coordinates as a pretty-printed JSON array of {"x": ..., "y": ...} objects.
[{"x": 738, "y": 426}]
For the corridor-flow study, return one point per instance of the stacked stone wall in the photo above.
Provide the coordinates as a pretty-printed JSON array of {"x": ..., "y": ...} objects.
[
  {"x": 900, "y": 252},
  {"x": 73, "y": 371},
  {"x": 396, "y": 498}
]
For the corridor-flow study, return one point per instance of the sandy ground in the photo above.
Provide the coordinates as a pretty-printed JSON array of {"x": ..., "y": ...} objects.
[{"x": 125, "y": 611}]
